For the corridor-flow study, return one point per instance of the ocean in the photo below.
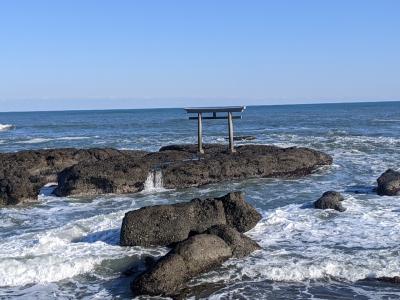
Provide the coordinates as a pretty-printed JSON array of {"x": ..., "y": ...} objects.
[{"x": 64, "y": 248}]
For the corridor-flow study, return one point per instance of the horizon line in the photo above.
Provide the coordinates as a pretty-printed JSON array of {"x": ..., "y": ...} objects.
[{"x": 173, "y": 107}]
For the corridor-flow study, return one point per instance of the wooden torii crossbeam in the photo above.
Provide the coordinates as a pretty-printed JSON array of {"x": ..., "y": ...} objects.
[{"x": 214, "y": 110}]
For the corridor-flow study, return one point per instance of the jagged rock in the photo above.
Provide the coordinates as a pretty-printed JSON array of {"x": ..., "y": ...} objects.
[
  {"x": 197, "y": 254},
  {"x": 389, "y": 183},
  {"x": 240, "y": 244},
  {"x": 167, "y": 224},
  {"x": 330, "y": 200}
]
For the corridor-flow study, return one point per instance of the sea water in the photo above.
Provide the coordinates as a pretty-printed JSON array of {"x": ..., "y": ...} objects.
[{"x": 63, "y": 248}]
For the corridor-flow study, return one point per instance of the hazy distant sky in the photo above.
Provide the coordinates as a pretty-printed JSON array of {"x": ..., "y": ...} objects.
[{"x": 114, "y": 54}]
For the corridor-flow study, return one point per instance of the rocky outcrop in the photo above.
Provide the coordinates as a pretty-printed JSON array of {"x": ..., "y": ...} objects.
[
  {"x": 118, "y": 175},
  {"x": 197, "y": 254},
  {"x": 24, "y": 173},
  {"x": 330, "y": 200},
  {"x": 163, "y": 225},
  {"x": 249, "y": 161},
  {"x": 99, "y": 171},
  {"x": 203, "y": 233},
  {"x": 389, "y": 183},
  {"x": 240, "y": 244}
]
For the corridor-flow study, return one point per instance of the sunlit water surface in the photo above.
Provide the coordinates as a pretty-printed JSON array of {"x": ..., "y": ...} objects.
[{"x": 68, "y": 247}]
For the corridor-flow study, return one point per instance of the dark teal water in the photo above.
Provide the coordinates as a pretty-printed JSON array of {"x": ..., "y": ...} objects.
[{"x": 68, "y": 247}]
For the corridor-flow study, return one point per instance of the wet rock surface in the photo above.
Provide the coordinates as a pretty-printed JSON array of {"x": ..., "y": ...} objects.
[
  {"x": 389, "y": 183},
  {"x": 116, "y": 175},
  {"x": 330, "y": 200},
  {"x": 163, "y": 225},
  {"x": 249, "y": 161},
  {"x": 100, "y": 171},
  {"x": 197, "y": 254},
  {"x": 240, "y": 244},
  {"x": 24, "y": 173},
  {"x": 201, "y": 233}
]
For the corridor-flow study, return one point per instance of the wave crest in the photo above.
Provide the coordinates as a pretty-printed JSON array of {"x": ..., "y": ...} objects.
[{"x": 5, "y": 127}]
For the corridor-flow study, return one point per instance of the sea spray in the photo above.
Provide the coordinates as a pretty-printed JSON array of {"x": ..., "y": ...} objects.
[{"x": 154, "y": 182}]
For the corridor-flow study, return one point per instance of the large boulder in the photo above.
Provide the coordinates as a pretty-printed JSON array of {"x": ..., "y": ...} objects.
[
  {"x": 240, "y": 244},
  {"x": 167, "y": 224},
  {"x": 389, "y": 183},
  {"x": 330, "y": 200},
  {"x": 197, "y": 254}
]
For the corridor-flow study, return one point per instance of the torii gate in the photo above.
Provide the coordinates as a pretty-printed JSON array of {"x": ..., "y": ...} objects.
[{"x": 214, "y": 110}]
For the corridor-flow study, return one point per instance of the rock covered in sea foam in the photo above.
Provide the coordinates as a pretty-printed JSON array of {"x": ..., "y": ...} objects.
[{"x": 330, "y": 200}]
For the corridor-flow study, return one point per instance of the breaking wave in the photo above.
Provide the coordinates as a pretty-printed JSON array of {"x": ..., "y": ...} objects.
[{"x": 5, "y": 127}]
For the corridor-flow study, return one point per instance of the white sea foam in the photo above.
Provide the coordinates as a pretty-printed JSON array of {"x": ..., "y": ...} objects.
[
  {"x": 45, "y": 140},
  {"x": 63, "y": 252},
  {"x": 154, "y": 182},
  {"x": 5, "y": 127},
  {"x": 302, "y": 243},
  {"x": 35, "y": 141}
]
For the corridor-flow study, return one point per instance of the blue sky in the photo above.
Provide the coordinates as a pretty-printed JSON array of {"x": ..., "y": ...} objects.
[{"x": 128, "y": 54}]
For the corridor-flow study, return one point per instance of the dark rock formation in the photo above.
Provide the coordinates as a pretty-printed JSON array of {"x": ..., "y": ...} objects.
[
  {"x": 204, "y": 233},
  {"x": 115, "y": 175},
  {"x": 330, "y": 200},
  {"x": 197, "y": 254},
  {"x": 239, "y": 214},
  {"x": 118, "y": 175},
  {"x": 22, "y": 174},
  {"x": 167, "y": 224},
  {"x": 98, "y": 171},
  {"x": 389, "y": 183},
  {"x": 240, "y": 244},
  {"x": 394, "y": 280},
  {"x": 249, "y": 161}
]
